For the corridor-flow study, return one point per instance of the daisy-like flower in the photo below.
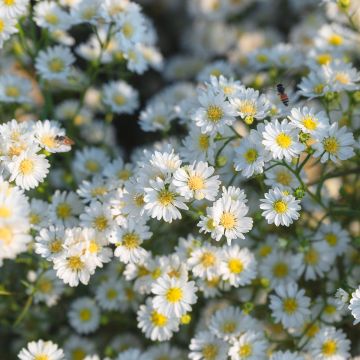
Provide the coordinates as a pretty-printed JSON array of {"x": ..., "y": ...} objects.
[
  {"x": 54, "y": 63},
  {"x": 249, "y": 346},
  {"x": 314, "y": 85},
  {"x": 230, "y": 220},
  {"x": 13, "y": 8},
  {"x": 128, "y": 240},
  {"x": 41, "y": 349},
  {"x": 7, "y": 28},
  {"x": 109, "y": 294},
  {"x": 307, "y": 120},
  {"x": 329, "y": 344},
  {"x": 250, "y": 155},
  {"x": 38, "y": 214},
  {"x": 281, "y": 177},
  {"x": 197, "y": 181},
  {"x": 280, "y": 208},
  {"x": 156, "y": 116},
  {"x": 341, "y": 299},
  {"x": 49, "y": 15},
  {"x": 354, "y": 306},
  {"x": 282, "y": 140},
  {"x": 238, "y": 266},
  {"x": 229, "y": 87},
  {"x": 250, "y": 105},
  {"x": 85, "y": 11},
  {"x": 155, "y": 324},
  {"x": 64, "y": 208},
  {"x": 207, "y": 346},
  {"x": 342, "y": 76},
  {"x": 120, "y": 97},
  {"x": 205, "y": 261},
  {"x": 290, "y": 306},
  {"x": 84, "y": 315},
  {"x": 334, "y": 237},
  {"x": 214, "y": 112},
  {"x": 334, "y": 144},
  {"x": 49, "y": 242},
  {"x": 173, "y": 297},
  {"x": 28, "y": 169},
  {"x": 163, "y": 202},
  {"x": 14, "y": 89}
]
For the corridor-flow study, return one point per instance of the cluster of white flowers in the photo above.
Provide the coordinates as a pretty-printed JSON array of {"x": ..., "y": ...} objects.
[{"x": 231, "y": 232}]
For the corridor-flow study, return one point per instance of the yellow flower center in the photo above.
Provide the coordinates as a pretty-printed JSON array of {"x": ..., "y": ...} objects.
[
  {"x": 195, "y": 183},
  {"x": 48, "y": 141},
  {"x": 119, "y": 99},
  {"x": 100, "y": 223},
  {"x": 280, "y": 270},
  {"x": 139, "y": 200},
  {"x": 131, "y": 240},
  {"x": 247, "y": 108},
  {"x": 124, "y": 174},
  {"x": 2, "y": 25},
  {"x": 159, "y": 119},
  {"x": 99, "y": 191},
  {"x": 245, "y": 350},
  {"x": 262, "y": 58},
  {"x": 309, "y": 122},
  {"x": 216, "y": 72},
  {"x": 214, "y": 113},
  {"x": 324, "y": 59},
  {"x": 75, "y": 263},
  {"x": 158, "y": 319},
  {"x": 229, "y": 327},
  {"x": 128, "y": 30},
  {"x": 165, "y": 197},
  {"x": 330, "y": 309},
  {"x": 56, "y": 65},
  {"x": 34, "y": 218},
  {"x": 203, "y": 142},
  {"x": 312, "y": 330},
  {"x": 9, "y": 2},
  {"x": 51, "y": 19},
  {"x": 331, "y": 239},
  {"x": 174, "y": 295},
  {"x": 284, "y": 140},
  {"x": 156, "y": 273},
  {"x": 235, "y": 266},
  {"x": 5, "y": 212},
  {"x": 290, "y": 305},
  {"x": 45, "y": 285},
  {"x": 210, "y": 224},
  {"x": 210, "y": 352},
  {"x": 212, "y": 283},
  {"x": 63, "y": 210},
  {"x": 92, "y": 166},
  {"x": 329, "y": 347},
  {"x": 88, "y": 13},
  {"x": 331, "y": 145},
  {"x": 265, "y": 250},
  {"x": 280, "y": 206},
  {"x": 228, "y": 90},
  {"x": 12, "y": 91},
  {"x": 26, "y": 166},
  {"x": 6, "y": 235},
  {"x": 55, "y": 246},
  {"x": 208, "y": 259},
  {"x": 111, "y": 294},
  {"x": 284, "y": 178},
  {"x": 335, "y": 40},
  {"x": 41, "y": 357},
  {"x": 93, "y": 247},
  {"x": 342, "y": 78},
  {"x": 318, "y": 88},
  {"x": 311, "y": 257},
  {"x": 227, "y": 220},
  {"x": 85, "y": 314},
  {"x": 250, "y": 155}
]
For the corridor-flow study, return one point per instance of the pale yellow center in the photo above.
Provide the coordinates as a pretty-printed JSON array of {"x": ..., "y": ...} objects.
[
  {"x": 2, "y": 25},
  {"x": 329, "y": 347},
  {"x": 284, "y": 178},
  {"x": 34, "y": 218},
  {"x": 100, "y": 223},
  {"x": 331, "y": 145},
  {"x": 131, "y": 240},
  {"x": 6, "y": 235},
  {"x": 330, "y": 309},
  {"x": 250, "y": 155},
  {"x": 280, "y": 270},
  {"x": 99, "y": 191},
  {"x": 92, "y": 166},
  {"x": 318, "y": 88},
  {"x": 128, "y": 30},
  {"x": 55, "y": 246},
  {"x": 139, "y": 200},
  {"x": 247, "y": 107},
  {"x": 309, "y": 122},
  {"x": 158, "y": 319},
  {"x": 48, "y": 141},
  {"x": 208, "y": 259},
  {"x": 265, "y": 250},
  {"x": 174, "y": 295},
  {"x": 12, "y": 91},
  {"x": 214, "y": 113},
  {"x": 26, "y": 166},
  {"x": 111, "y": 294},
  {"x": 124, "y": 174},
  {"x": 209, "y": 352},
  {"x": 51, "y": 19},
  {"x": 284, "y": 140},
  {"x": 165, "y": 197},
  {"x": 63, "y": 210},
  {"x": 45, "y": 285},
  {"x": 41, "y": 357},
  {"x": 324, "y": 59},
  {"x": 5, "y": 212},
  {"x": 280, "y": 206},
  {"x": 85, "y": 314},
  {"x": 311, "y": 257},
  {"x": 9, "y": 2},
  {"x": 290, "y": 305},
  {"x": 75, "y": 263},
  {"x": 235, "y": 266},
  {"x": 93, "y": 247},
  {"x": 203, "y": 142},
  {"x": 335, "y": 40},
  {"x": 342, "y": 78},
  {"x": 56, "y": 65},
  {"x": 228, "y": 220},
  {"x": 119, "y": 99},
  {"x": 229, "y": 327},
  {"x": 331, "y": 239},
  {"x": 195, "y": 183},
  {"x": 262, "y": 58},
  {"x": 245, "y": 350}
]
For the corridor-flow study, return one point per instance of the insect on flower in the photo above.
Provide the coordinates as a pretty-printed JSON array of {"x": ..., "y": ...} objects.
[
  {"x": 282, "y": 94},
  {"x": 64, "y": 140}
]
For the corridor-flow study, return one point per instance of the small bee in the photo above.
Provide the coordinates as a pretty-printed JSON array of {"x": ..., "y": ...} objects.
[
  {"x": 64, "y": 140},
  {"x": 282, "y": 94}
]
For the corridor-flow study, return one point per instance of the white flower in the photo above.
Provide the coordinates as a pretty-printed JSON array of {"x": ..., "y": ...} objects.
[
  {"x": 214, "y": 112},
  {"x": 197, "y": 181},
  {"x": 354, "y": 306},
  {"x": 314, "y": 85},
  {"x": 14, "y": 89},
  {"x": 155, "y": 324},
  {"x": 163, "y": 202},
  {"x": 49, "y": 242},
  {"x": 334, "y": 144},
  {"x": 109, "y": 294},
  {"x": 13, "y": 8},
  {"x": 7, "y": 28},
  {"x": 279, "y": 208},
  {"x": 85, "y": 11},
  {"x": 329, "y": 344},
  {"x": 290, "y": 306},
  {"x": 28, "y": 169},
  {"x": 206, "y": 346},
  {"x": 54, "y": 63},
  {"x": 41, "y": 350},
  {"x": 49, "y": 15},
  {"x": 120, "y": 97},
  {"x": 156, "y": 116},
  {"x": 173, "y": 297},
  {"x": 281, "y": 177},
  {"x": 308, "y": 120},
  {"x": 238, "y": 266},
  {"x": 249, "y": 346},
  {"x": 342, "y": 76},
  {"x": 342, "y": 299},
  {"x": 282, "y": 140},
  {"x": 84, "y": 315},
  {"x": 250, "y": 105}
]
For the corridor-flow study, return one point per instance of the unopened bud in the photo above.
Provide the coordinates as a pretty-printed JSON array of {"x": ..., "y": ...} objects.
[
  {"x": 343, "y": 4},
  {"x": 185, "y": 319},
  {"x": 248, "y": 307},
  {"x": 299, "y": 193},
  {"x": 249, "y": 120},
  {"x": 304, "y": 137}
]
